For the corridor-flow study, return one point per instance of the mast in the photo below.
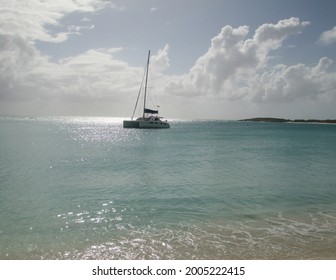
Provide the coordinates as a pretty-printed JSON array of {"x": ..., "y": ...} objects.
[{"x": 146, "y": 84}]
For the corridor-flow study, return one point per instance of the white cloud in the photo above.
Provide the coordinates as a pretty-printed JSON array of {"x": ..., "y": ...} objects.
[
  {"x": 289, "y": 83},
  {"x": 271, "y": 35},
  {"x": 75, "y": 29},
  {"x": 236, "y": 68},
  {"x": 328, "y": 37},
  {"x": 32, "y": 19},
  {"x": 28, "y": 75},
  {"x": 160, "y": 61},
  {"x": 95, "y": 74}
]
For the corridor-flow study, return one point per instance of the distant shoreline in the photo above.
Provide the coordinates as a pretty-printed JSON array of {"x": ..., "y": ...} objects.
[{"x": 279, "y": 120}]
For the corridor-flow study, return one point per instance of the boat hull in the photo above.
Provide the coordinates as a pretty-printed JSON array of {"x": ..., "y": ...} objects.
[
  {"x": 131, "y": 124},
  {"x": 145, "y": 124}
]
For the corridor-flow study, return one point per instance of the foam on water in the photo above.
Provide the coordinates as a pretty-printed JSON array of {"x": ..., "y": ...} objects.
[{"x": 272, "y": 238}]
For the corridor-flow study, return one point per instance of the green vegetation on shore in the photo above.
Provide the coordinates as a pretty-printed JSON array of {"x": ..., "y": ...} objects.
[{"x": 288, "y": 120}]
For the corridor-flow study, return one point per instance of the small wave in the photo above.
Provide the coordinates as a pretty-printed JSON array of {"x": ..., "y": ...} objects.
[{"x": 305, "y": 236}]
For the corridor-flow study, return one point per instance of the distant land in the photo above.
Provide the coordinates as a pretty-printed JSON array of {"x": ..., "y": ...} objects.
[{"x": 279, "y": 120}]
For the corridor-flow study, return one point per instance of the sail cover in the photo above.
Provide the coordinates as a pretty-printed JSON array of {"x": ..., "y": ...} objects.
[{"x": 149, "y": 111}]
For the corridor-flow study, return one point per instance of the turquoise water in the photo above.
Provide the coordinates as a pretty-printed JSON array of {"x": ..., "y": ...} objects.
[{"x": 85, "y": 188}]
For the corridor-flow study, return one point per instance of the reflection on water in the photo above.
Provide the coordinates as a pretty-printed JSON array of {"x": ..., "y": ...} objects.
[
  {"x": 201, "y": 190},
  {"x": 285, "y": 236}
]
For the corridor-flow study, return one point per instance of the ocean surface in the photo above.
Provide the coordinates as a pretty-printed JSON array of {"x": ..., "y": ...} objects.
[{"x": 85, "y": 188}]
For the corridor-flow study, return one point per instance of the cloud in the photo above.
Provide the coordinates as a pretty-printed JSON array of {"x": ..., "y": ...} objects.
[
  {"x": 236, "y": 69},
  {"x": 290, "y": 83},
  {"x": 27, "y": 75},
  {"x": 75, "y": 29},
  {"x": 95, "y": 74},
  {"x": 328, "y": 37},
  {"x": 271, "y": 36},
  {"x": 160, "y": 61},
  {"x": 32, "y": 19}
]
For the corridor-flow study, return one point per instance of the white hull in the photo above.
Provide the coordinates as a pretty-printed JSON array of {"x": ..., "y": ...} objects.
[{"x": 146, "y": 124}]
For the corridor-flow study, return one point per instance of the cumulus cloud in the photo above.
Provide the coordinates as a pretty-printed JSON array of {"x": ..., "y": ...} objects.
[
  {"x": 160, "y": 61},
  {"x": 235, "y": 68},
  {"x": 328, "y": 37},
  {"x": 286, "y": 84},
  {"x": 271, "y": 36}
]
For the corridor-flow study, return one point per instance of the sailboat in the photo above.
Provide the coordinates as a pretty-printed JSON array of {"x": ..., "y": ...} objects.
[{"x": 150, "y": 118}]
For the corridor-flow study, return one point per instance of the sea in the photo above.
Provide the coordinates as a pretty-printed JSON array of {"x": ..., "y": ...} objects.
[{"x": 86, "y": 188}]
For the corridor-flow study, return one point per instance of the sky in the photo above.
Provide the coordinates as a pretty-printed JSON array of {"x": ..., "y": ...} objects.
[{"x": 210, "y": 59}]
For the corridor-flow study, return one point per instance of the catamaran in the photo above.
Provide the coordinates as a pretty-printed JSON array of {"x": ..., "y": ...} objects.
[{"x": 150, "y": 118}]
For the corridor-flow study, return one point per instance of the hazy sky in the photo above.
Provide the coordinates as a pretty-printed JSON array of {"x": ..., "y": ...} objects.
[{"x": 215, "y": 59}]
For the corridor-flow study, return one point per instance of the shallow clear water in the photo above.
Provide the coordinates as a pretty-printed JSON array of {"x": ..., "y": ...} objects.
[{"x": 85, "y": 188}]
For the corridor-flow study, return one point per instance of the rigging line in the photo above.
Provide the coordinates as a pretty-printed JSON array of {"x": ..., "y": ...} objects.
[
  {"x": 136, "y": 103},
  {"x": 147, "y": 68}
]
